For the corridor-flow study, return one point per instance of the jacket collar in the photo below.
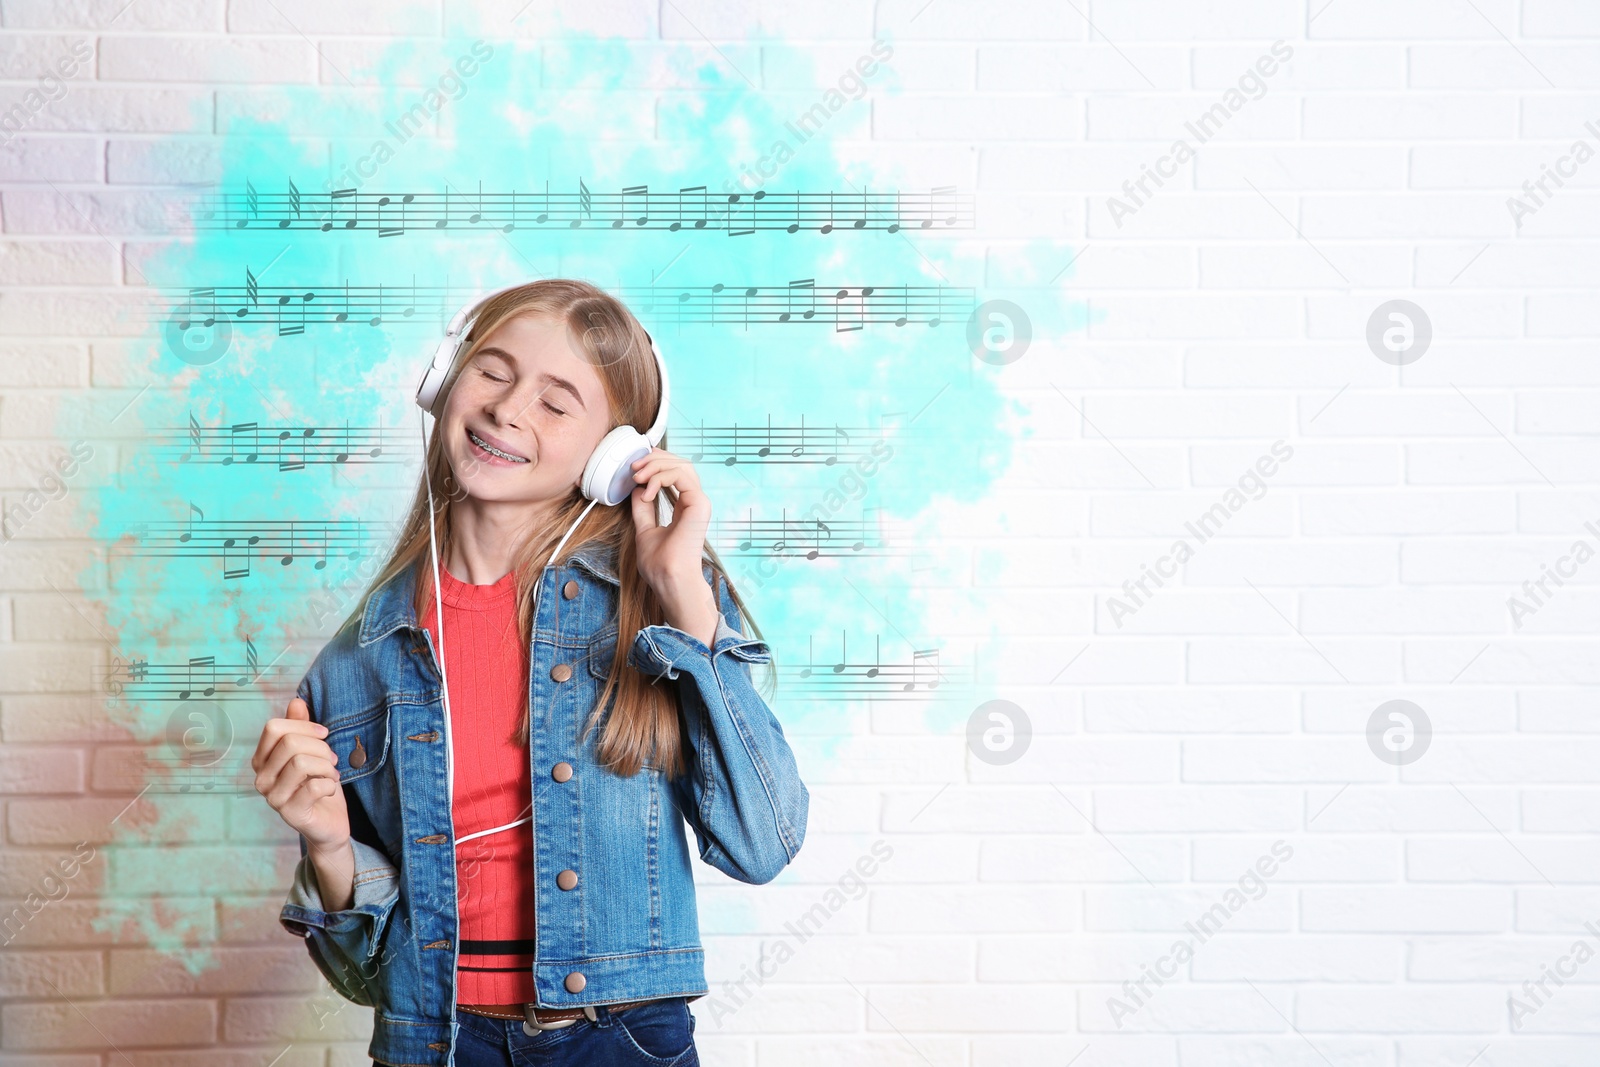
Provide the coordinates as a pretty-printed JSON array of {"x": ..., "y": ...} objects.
[{"x": 389, "y": 606}]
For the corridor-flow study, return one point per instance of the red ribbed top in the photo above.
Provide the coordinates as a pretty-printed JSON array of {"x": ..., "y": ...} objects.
[{"x": 486, "y": 665}]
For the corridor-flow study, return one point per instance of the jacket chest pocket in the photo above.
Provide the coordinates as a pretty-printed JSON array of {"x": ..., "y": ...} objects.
[
  {"x": 602, "y": 648},
  {"x": 361, "y": 743}
]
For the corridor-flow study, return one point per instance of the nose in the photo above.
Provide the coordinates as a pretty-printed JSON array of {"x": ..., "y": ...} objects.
[{"x": 510, "y": 409}]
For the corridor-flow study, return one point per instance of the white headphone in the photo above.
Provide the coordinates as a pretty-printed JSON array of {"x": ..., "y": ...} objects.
[{"x": 607, "y": 479}]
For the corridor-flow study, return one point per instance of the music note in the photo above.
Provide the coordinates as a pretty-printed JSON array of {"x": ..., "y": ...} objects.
[
  {"x": 584, "y": 202},
  {"x": 392, "y": 230},
  {"x": 622, "y": 213},
  {"x": 338, "y": 199},
  {"x": 823, "y": 531},
  {"x": 231, "y": 572},
  {"x": 194, "y": 436},
  {"x": 206, "y": 298},
  {"x": 189, "y": 533},
  {"x": 253, "y": 661},
  {"x": 201, "y": 661},
  {"x": 704, "y": 213},
  {"x": 750, "y": 534},
  {"x": 294, "y": 205},
  {"x": 343, "y": 455},
  {"x": 254, "y": 430},
  {"x": 734, "y": 198},
  {"x": 841, "y": 310},
  {"x": 287, "y": 327},
  {"x": 807, "y": 289},
  {"x": 877, "y": 656},
  {"x": 293, "y": 464},
  {"x": 733, "y": 456},
  {"x": 920, "y": 666},
  {"x": 696, "y": 457},
  {"x": 838, "y": 433}
]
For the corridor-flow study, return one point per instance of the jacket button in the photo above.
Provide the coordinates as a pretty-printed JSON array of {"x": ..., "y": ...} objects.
[
  {"x": 562, "y": 772},
  {"x": 567, "y": 879},
  {"x": 561, "y": 672},
  {"x": 569, "y": 590},
  {"x": 575, "y": 982}
]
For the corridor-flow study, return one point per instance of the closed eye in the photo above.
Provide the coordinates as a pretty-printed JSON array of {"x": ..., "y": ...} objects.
[{"x": 504, "y": 381}]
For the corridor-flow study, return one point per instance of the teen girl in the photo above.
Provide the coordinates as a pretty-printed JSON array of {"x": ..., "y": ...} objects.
[{"x": 492, "y": 853}]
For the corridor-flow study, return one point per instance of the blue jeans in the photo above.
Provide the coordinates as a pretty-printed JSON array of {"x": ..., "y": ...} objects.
[{"x": 658, "y": 1034}]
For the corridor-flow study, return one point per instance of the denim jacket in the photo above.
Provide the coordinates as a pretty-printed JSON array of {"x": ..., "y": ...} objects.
[{"x": 628, "y": 929}]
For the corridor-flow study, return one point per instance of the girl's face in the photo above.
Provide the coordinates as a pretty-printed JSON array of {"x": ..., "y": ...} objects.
[{"x": 529, "y": 393}]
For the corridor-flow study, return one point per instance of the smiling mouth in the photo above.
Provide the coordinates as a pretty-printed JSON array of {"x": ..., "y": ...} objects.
[{"x": 493, "y": 451}]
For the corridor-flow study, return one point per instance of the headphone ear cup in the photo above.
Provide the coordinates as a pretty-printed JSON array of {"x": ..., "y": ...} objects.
[
  {"x": 432, "y": 381},
  {"x": 608, "y": 476}
]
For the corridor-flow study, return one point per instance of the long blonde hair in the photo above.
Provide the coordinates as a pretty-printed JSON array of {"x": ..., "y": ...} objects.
[{"x": 643, "y": 726}]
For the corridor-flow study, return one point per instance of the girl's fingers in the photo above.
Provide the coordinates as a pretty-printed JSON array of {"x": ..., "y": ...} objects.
[
  {"x": 294, "y": 774},
  {"x": 644, "y": 513},
  {"x": 284, "y": 752}
]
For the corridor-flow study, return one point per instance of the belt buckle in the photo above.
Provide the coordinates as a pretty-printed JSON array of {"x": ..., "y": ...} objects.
[{"x": 531, "y": 1024}]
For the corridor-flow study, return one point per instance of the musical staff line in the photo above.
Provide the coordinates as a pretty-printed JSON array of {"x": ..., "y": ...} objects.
[
  {"x": 290, "y": 448},
  {"x": 201, "y": 677},
  {"x": 238, "y": 543},
  {"x": 801, "y": 538},
  {"x": 291, "y": 309},
  {"x": 918, "y": 677},
  {"x": 688, "y": 209}
]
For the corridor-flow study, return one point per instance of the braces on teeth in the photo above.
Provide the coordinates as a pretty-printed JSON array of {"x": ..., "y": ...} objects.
[{"x": 493, "y": 451}]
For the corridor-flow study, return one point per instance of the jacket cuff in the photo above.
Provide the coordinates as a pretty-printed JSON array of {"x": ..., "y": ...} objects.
[
  {"x": 659, "y": 649},
  {"x": 359, "y": 928}
]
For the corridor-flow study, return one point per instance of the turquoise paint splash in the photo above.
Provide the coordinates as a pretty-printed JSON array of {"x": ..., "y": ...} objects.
[{"x": 567, "y": 111}]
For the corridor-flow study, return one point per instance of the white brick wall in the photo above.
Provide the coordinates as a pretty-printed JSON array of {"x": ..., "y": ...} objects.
[{"x": 1171, "y": 752}]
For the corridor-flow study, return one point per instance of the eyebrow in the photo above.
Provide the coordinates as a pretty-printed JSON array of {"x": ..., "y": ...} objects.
[{"x": 553, "y": 379}]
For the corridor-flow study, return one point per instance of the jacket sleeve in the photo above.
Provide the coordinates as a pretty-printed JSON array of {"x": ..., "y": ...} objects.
[
  {"x": 344, "y": 944},
  {"x": 742, "y": 792}
]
